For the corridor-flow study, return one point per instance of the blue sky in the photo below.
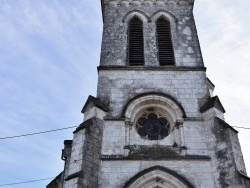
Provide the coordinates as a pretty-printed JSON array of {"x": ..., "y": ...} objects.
[{"x": 49, "y": 52}]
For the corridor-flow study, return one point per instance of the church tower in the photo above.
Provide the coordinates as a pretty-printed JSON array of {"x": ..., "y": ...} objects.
[{"x": 154, "y": 122}]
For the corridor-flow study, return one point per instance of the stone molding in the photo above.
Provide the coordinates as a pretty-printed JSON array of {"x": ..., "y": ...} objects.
[
  {"x": 72, "y": 176},
  {"x": 141, "y": 15},
  {"x": 158, "y": 175},
  {"x": 124, "y": 158},
  {"x": 156, "y": 68},
  {"x": 163, "y": 13},
  {"x": 163, "y": 103},
  {"x": 146, "y": 18},
  {"x": 146, "y": 2}
]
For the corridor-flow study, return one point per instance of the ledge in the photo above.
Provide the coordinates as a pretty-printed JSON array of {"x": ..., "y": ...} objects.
[
  {"x": 84, "y": 125},
  {"x": 68, "y": 142},
  {"x": 162, "y": 158},
  {"x": 243, "y": 175},
  {"x": 114, "y": 119},
  {"x": 72, "y": 176},
  {"x": 159, "y": 152},
  {"x": 123, "y": 119},
  {"x": 145, "y": 68},
  {"x": 194, "y": 119},
  {"x": 213, "y": 102}
]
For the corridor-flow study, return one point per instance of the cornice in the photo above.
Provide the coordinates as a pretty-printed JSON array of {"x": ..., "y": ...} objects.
[
  {"x": 145, "y": 3},
  {"x": 145, "y": 68},
  {"x": 153, "y": 2}
]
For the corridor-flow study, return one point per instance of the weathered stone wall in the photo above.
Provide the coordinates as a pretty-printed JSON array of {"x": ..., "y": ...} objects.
[
  {"x": 224, "y": 150},
  {"x": 228, "y": 152},
  {"x": 117, "y": 87},
  {"x": 73, "y": 170},
  {"x": 195, "y": 137},
  {"x": 114, "y": 175},
  {"x": 184, "y": 34},
  {"x": 85, "y": 155},
  {"x": 237, "y": 154},
  {"x": 92, "y": 153},
  {"x": 116, "y": 135}
]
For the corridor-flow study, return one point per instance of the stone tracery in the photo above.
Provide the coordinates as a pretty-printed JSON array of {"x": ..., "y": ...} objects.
[{"x": 153, "y": 127}]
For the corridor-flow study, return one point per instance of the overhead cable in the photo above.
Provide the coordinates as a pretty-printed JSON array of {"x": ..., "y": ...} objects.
[
  {"x": 31, "y": 181},
  {"x": 241, "y": 127},
  {"x": 60, "y": 129},
  {"x": 31, "y": 134}
]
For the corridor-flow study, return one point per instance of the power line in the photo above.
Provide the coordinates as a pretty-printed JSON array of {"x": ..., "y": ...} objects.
[
  {"x": 43, "y": 132},
  {"x": 54, "y": 130},
  {"x": 241, "y": 127},
  {"x": 31, "y": 181}
]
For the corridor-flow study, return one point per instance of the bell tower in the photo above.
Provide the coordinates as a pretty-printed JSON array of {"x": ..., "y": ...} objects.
[{"x": 154, "y": 122}]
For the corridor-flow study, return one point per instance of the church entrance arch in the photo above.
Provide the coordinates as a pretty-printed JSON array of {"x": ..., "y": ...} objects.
[{"x": 158, "y": 177}]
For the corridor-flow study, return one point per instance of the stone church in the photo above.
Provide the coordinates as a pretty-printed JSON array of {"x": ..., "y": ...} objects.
[{"x": 154, "y": 122}]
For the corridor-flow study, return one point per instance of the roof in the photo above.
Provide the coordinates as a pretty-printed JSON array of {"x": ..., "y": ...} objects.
[
  {"x": 225, "y": 124},
  {"x": 210, "y": 82},
  {"x": 102, "y": 4},
  {"x": 55, "y": 183},
  {"x": 96, "y": 102},
  {"x": 213, "y": 102},
  {"x": 243, "y": 175}
]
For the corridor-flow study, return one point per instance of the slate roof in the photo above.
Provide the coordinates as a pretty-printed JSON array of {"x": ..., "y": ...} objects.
[
  {"x": 226, "y": 125},
  {"x": 213, "y": 102},
  {"x": 210, "y": 82},
  {"x": 96, "y": 102}
]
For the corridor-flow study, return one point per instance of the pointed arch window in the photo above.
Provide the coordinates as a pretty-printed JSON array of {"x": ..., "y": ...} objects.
[
  {"x": 136, "y": 47},
  {"x": 164, "y": 41}
]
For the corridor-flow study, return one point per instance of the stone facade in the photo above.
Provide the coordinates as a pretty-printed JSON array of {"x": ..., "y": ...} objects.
[{"x": 200, "y": 149}]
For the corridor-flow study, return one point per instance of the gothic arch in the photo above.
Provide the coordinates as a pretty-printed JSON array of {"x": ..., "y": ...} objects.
[
  {"x": 161, "y": 103},
  {"x": 162, "y": 13},
  {"x": 141, "y": 15},
  {"x": 159, "y": 177}
]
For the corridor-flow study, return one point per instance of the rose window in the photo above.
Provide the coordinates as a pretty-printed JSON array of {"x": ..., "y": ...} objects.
[{"x": 153, "y": 126}]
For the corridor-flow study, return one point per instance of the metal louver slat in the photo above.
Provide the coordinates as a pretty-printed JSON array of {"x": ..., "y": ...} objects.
[
  {"x": 136, "y": 49},
  {"x": 164, "y": 41}
]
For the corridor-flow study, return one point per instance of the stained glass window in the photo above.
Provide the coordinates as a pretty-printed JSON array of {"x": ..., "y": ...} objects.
[{"x": 153, "y": 126}]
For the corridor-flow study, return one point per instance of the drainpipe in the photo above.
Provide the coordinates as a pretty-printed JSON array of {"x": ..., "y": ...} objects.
[{"x": 63, "y": 175}]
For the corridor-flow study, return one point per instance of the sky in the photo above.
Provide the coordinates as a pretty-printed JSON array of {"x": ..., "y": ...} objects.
[{"x": 49, "y": 51}]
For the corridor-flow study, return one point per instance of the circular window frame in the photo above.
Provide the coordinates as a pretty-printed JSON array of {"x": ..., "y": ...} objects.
[{"x": 159, "y": 115}]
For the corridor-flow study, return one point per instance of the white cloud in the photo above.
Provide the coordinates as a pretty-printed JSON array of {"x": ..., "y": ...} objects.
[{"x": 223, "y": 29}]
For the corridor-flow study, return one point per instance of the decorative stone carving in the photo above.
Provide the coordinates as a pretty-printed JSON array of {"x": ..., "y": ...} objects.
[{"x": 148, "y": 2}]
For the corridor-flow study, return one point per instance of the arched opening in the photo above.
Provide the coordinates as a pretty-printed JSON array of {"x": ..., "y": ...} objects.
[
  {"x": 135, "y": 41},
  {"x": 158, "y": 177},
  {"x": 153, "y": 115},
  {"x": 164, "y": 42}
]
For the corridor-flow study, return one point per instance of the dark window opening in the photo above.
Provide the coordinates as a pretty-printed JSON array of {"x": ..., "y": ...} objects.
[
  {"x": 153, "y": 127},
  {"x": 164, "y": 41},
  {"x": 136, "y": 48}
]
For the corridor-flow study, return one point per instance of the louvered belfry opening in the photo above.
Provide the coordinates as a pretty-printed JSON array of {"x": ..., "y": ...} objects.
[
  {"x": 164, "y": 40},
  {"x": 136, "y": 48}
]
